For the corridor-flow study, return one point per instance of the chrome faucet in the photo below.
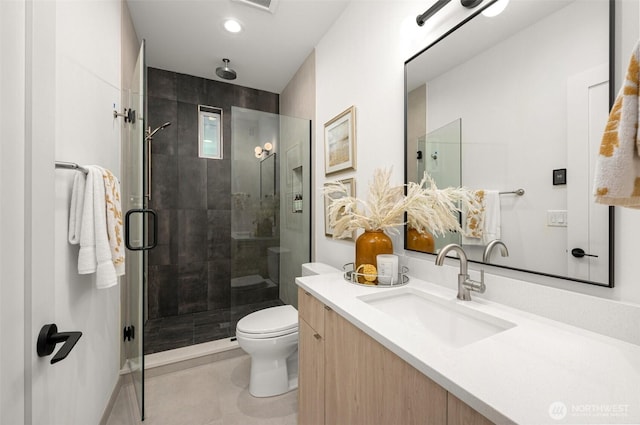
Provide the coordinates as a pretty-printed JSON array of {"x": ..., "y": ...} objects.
[
  {"x": 486, "y": 255},
  {"x": 465, "y": 284}
]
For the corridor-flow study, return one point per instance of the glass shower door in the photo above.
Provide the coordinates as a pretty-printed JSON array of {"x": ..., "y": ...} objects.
[
  {"x": 133, "y": 190},
  {"x": 270, "y": 209}
]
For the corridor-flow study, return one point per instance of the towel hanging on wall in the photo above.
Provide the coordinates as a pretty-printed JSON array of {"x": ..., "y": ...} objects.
[
  {"x": 617, "y": 176},
  {"x": 77, "y": 205},
  {"x": 101, "y": 245},
  {"x": 114, "y": 220},
  {"x": 474, "y": 220},
  {"x": 483, "y": 223}
]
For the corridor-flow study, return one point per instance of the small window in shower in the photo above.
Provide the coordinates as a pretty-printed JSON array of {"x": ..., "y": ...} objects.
[{"x": 209, "y": 132}]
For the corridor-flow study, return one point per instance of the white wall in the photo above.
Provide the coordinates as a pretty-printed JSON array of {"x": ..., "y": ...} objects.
[
  {"x": 360, "y": 62},
  {"x": 88, "y": 85}
]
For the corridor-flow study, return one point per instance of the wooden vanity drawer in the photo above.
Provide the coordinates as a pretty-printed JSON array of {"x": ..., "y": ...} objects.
[{"x": 311, "y": 310}]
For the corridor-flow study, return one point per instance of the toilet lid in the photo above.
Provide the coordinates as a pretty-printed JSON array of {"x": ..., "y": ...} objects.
[{"x": 280, "y": 320}]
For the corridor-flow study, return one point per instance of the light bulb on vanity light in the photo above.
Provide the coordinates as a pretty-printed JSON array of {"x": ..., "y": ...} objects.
[
  {"x": 260, "y": 151},
  {"x": 496, "y": 8}
]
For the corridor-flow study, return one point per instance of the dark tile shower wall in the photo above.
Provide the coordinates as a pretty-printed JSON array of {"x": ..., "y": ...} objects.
[{"x": 190, "y": 269}]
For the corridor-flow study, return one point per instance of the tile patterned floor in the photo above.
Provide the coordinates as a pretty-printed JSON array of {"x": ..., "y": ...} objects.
[
  {"x": 172, "y": 332},
  {"x": 212, "y": 394}
]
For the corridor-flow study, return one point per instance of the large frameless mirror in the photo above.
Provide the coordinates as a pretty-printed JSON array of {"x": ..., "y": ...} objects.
[{"x": 528, "y": 93}]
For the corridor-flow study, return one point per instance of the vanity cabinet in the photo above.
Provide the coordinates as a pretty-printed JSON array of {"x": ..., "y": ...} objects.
[
  {"x": 311, "y": 346},
  {"x": 459, "y": 413},
  {"x": 366, "y": 384},
  {"x": 346, "y": 377}
]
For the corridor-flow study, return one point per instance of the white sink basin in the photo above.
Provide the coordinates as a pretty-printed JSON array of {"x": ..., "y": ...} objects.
[{"x": 449, "y": 321}]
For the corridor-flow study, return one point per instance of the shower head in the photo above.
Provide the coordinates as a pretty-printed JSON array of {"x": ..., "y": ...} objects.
[
  {"x": 226, "y": 72},
  {"x": 150, "y": 133}
]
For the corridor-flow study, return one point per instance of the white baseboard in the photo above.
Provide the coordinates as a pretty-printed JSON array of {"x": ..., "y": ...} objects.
[{"x": 187, "y": 357}]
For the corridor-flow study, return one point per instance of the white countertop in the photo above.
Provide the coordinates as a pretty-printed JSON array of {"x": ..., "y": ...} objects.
[{"x": 526, "y": 374}]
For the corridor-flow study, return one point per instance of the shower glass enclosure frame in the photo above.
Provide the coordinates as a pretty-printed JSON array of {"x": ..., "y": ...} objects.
[{"x": 230, "y": 239}]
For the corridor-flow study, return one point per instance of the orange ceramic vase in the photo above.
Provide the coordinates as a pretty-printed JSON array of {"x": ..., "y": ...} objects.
[
  {"x": 369, "y": 245},
  {"x": 422, "y": 242}
]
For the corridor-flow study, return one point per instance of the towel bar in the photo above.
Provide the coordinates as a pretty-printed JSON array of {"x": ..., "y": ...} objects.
[
  {"x": 71, "y": 166},
  {"x": 518, "y": 192}
]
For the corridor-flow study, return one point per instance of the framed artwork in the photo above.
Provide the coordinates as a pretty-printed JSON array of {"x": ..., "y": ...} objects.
[
  {"x": 340, "y": 142},
  {"x": 350, "y": 184}
]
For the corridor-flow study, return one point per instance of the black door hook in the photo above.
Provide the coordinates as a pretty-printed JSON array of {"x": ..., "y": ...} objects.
[{"x": 49, "y": 337}]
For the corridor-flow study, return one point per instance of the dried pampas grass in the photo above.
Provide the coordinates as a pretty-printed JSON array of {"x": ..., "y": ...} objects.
[{"x": 428, "y": 208}]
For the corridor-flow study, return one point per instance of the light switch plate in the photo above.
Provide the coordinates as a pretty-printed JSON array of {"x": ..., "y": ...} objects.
[{"x": 557, "y": 218}]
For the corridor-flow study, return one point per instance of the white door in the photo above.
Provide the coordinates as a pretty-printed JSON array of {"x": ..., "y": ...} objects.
[{"x": 588, "y": 222}]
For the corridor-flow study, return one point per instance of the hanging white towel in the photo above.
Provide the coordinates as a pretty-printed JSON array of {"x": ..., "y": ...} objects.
[
  {"x": 482, "y": 221},
  {"x": 617, "y": 176},
  {"x": 95, "y": 253},
  {"x": 76, "y": 207},
  {"x": 114, "y": 221},
  {"x": 87, "y": 254},
  {"x": 492, "y": 219}
]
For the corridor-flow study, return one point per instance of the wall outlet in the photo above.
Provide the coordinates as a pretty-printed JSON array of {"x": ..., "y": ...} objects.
[{"x": 557, "y": 218}]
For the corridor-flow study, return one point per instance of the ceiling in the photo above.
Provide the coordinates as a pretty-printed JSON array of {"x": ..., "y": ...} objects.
[{"x": 187, "y": 36}]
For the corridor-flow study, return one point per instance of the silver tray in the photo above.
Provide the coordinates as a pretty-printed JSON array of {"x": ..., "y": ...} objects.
[{"x": 352, "y": 277}]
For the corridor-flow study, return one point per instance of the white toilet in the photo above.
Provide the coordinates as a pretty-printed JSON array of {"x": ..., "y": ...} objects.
[{"x": 270, "y": 337}]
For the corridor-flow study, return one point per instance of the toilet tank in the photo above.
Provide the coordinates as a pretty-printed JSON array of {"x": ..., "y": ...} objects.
[
  {"x": 273, "y": 262},
  {"x": 310, "y": 269}
]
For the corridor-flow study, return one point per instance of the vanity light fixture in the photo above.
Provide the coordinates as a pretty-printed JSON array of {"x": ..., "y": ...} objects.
[
  {"x": 496, "y": 8},
  {"x": 470, "y": 4},
  {"x": 263, "y": 151},
  {"x": 421, "y": 19}
]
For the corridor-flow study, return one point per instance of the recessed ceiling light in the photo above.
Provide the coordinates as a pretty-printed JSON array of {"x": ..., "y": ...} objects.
[{"x": 232, "y": 25}]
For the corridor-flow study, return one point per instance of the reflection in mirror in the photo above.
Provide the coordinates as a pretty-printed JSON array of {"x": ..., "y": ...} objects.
[
  {"x": 531, "y": 87},
  {"x": 438, "y": 154}
]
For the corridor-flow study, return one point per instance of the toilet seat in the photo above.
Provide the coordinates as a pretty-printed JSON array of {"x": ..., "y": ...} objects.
[{"x": 269, "y": 323}]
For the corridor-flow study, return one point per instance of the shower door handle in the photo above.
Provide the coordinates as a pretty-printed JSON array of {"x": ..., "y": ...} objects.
[{"x": 127, "y": 229}]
